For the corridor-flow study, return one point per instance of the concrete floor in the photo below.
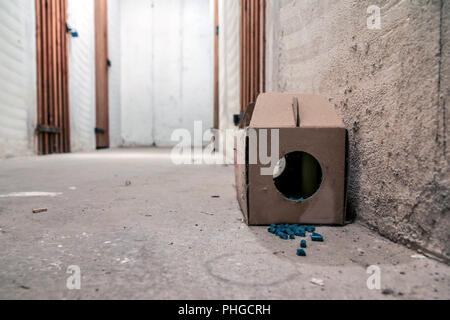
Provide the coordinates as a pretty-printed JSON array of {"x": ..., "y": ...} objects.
[{"x": 165, "y": 237}]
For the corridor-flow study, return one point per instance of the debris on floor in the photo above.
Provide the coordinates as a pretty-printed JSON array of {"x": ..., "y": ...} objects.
[
  {"x": 387, "y": 291},
  {"x": 128, "y": 183},
  {"x": 40, "y": 210},
  {"x": 289, "y": 231}
]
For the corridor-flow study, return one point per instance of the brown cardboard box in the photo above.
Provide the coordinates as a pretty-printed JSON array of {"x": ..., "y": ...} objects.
[{"x": 309, "y": 182}]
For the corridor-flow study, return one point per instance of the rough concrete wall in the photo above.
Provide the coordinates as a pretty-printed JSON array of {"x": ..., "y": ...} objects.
[
  {"x": 114, "y": 72},
  {"x": 17, "y": 77},
  {"x": 166, "y": 69},
  {"x": 229, "y": 71},
  {"x": 386, "y": 84},
  {"x": 82, "y": 75}
]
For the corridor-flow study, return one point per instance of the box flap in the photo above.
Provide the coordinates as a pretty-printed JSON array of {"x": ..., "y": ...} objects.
[
  {"x": 274, "y": 110},
  {"x": 317, "y": 111},
  {"x": 279, "y": 110}
]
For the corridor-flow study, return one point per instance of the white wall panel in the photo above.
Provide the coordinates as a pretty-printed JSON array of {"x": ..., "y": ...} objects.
[
  {"x": 136, "y": 50},
  {"x": 229, "y": 61},
  {"x": 82, "y": 75},
  {"x": 17, "y": 77},
  {"x": 114, "y": 72},
  {"x": 229, "y": 71}
]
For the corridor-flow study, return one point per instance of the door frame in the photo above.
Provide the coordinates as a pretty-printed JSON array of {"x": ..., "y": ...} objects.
[{"x": 102, "y": 63}]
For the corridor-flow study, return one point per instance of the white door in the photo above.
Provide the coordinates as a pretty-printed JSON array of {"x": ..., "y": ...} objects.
[{"x": 167, "y": 68}]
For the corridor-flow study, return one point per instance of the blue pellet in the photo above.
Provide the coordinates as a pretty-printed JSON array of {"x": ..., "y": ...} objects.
[
  {"x": 272, "y": 230},
  {"x": 303, "y": 244},
  {"x": 300, "y": 233},
  {"x": 310, "y": 229},
  {"x": 301, "y": 252},
  {"x": 317, "y": 238},
  {"x": 284, "y": 236},
  {"x": 291, "y": 236},
  {"x": 273, "y": 225},
  {"x": 316, "y": 234}
]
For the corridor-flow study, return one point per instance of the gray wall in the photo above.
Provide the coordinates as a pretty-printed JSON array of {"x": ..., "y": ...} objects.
[{"x": 390, "y": 87}]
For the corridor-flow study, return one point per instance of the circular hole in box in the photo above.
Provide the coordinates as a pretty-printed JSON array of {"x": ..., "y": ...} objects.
[{"x": 297, "y": 176}]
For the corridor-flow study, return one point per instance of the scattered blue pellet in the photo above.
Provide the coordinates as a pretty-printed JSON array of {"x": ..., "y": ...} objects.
[
  {"x": 290, "y": 231},
  {"x": 300, "y": 233},
  {"x": 317, "y": 238}
]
